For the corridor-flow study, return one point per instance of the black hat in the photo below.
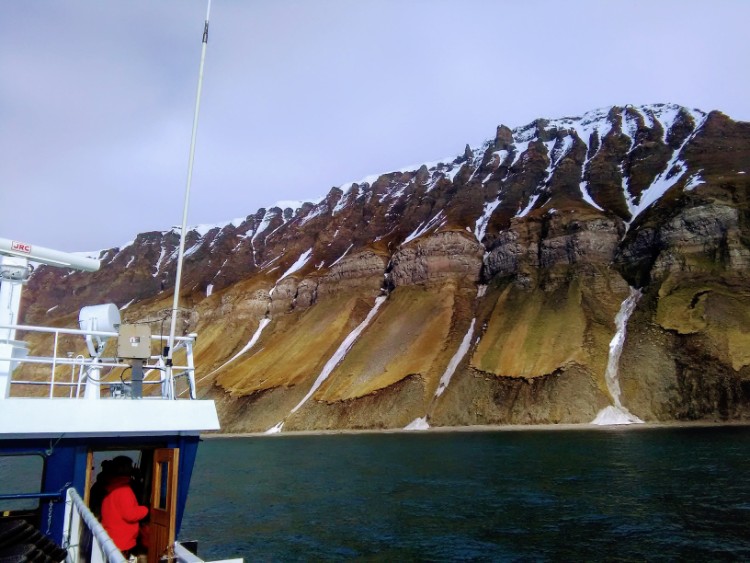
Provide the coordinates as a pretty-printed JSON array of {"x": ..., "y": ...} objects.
[{"x": 122, "y": 465}]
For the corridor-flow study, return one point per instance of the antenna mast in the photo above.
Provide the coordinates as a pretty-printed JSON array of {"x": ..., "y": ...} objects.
[{"x": 175, "y": 302}]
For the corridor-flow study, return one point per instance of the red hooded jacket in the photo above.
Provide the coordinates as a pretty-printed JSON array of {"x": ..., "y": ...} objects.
[{"x": 121, "y": 513}]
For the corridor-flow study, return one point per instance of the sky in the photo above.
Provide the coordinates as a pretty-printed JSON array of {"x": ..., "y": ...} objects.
[{"x": 97, "y": 97}]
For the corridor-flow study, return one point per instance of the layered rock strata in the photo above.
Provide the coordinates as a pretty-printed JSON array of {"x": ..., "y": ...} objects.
[{"x": 521, "y": 250}]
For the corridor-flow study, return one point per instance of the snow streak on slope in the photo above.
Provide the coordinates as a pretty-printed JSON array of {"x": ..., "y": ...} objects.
[
  {"x": 340, "y": 258},
  {"x": 666, "y": 115},
  {"x": 341, "y": 352},
  {"x": 344, "y": 200},
  {"x": 253, "y": 340},
  {"x": 263, "y": 324},
  {"x": 521, "y": 148},
  {"x": 421, "y": 422},
  {"x": 617, "y": 413},
  {"x": 298, "y": 265},
  {"x": 556, "y": 155},
  {"x": 529, "y": 206},
  {"x": 480, "y": 227},
  {"x": 591, "y": 122},
  {"x": 424, "y": 227},
  {"x": 335, "y": 360},
  {"x": 159, "y": 261},
  {"x": 317, "y": 211},
  {"x": 264, "y": 224},
  {"x": 549, "y": 145},
  {"x": 629, "y": 127},
  {"x": 598, "y": 121},
  {"x": 456, "y": 359},
  {"x": 583, "y": 186},
  {"x": 694, "y": 181},
  {"x": 451, "y": 174},
  {"x": 671, "y": 174}
]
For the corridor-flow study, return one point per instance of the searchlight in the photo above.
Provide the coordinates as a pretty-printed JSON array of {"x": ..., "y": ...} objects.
[
  {"x": 14, "y": 272},
  {"x": 57, "y": 258}
]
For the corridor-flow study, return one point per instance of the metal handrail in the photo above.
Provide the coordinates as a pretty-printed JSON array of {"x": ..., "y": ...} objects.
[
  {"x": 74, "y": 384},
  {"x": 22, "y": 496},
  {"x": 66, "y": 362},
  {"x": 87, "y": 366},
  {"x": 101, "y": 537},
  {"x": 81, "y": 332}
]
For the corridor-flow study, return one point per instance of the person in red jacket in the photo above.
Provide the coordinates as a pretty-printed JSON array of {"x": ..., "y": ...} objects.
[{"x": 120, "y": 509}]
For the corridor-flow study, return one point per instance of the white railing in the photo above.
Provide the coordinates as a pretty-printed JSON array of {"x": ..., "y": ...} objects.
[
  {"x": 79, "y": 520},
  {"x": 87, "y": 541},
  {"x": 88, "y": 371}
]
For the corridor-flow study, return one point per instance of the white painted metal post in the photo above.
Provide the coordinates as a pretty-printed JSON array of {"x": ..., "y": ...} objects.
[
  {"x": 181, "y": 252},
  {"x": 71, "y": 530},
  {"x": 191, "y": 368},
  {"x": 54, "y": 365},
  {"x": 10, "y": 303},
  {"x": 93, "y": 374},
  {"x": 10, "y": 295}
]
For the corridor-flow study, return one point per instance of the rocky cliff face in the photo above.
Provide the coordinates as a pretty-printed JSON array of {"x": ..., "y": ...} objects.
[{"x": 477, "y": 291}]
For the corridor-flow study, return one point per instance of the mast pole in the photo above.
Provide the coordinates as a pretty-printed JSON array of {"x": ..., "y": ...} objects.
[{"x": 181, "y": 252}]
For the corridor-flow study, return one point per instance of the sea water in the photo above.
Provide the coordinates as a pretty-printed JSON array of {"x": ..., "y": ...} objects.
[{"x": 603, "y": 494}]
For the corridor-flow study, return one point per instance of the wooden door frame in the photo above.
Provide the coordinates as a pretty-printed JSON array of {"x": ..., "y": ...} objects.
[{"x": 164, "y": 517}]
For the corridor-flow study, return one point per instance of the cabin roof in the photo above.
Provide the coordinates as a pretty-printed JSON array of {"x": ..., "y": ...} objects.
[{"x": 38, "y": 418}]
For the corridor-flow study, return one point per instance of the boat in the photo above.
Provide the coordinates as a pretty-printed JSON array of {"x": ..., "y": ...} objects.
[
  {"x": 77, "y": 399},
  {"x": 60, "y": 429}
]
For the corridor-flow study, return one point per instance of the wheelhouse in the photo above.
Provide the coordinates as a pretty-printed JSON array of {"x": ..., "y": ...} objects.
[{"x": 72, "y": 399}]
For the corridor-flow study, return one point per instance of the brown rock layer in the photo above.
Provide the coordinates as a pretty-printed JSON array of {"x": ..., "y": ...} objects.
[{"x": 477, "y": 291}]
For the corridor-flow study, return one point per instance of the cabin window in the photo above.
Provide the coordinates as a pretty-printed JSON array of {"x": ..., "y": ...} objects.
[
  {"x": 163, "y": 482},
  {"x": 20, "y": 475}
]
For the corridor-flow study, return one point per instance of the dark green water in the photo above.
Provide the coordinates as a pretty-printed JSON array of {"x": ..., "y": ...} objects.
[{"x": 622, "y": 495}]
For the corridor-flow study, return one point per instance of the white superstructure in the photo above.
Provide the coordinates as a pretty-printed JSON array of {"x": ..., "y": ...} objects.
[{"x": 102, "y": 390}]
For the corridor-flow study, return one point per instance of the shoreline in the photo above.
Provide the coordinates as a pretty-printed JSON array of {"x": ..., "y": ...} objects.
[{"x": 487, "y": 428}]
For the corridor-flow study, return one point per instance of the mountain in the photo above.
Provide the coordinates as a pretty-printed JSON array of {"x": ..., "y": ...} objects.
[{"x": 481, "y": 290}]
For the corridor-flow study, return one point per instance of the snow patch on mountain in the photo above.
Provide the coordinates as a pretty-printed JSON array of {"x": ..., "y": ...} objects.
[
  {"x": 298, "y": 265},
  {"x": 520, "y": 150},
  {"x": 694, "y": 181},
  {"x": 598, "y": 123},
  {"x": 529, "y": 206},
  {"x": 317, "y": 211},
  {"x": 204, "y": 229},
  {"x": 671, "y": 174},
  {"x": 549, "y": 145},
  {"x": 370, "y": 180},
  {"x": 583, "y": 186},
  {"x": 159, "y": 261},
  {"x": 424, "y": 227},
  {"x": 264, "y": 224},
  {"x": 480, "y": 227},
  {"x": 342, "y": 256},
  {"x": 629, "y": 127}
]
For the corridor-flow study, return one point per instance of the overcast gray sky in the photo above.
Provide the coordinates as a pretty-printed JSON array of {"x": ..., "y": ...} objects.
[{"x": 96, "y": 97}]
